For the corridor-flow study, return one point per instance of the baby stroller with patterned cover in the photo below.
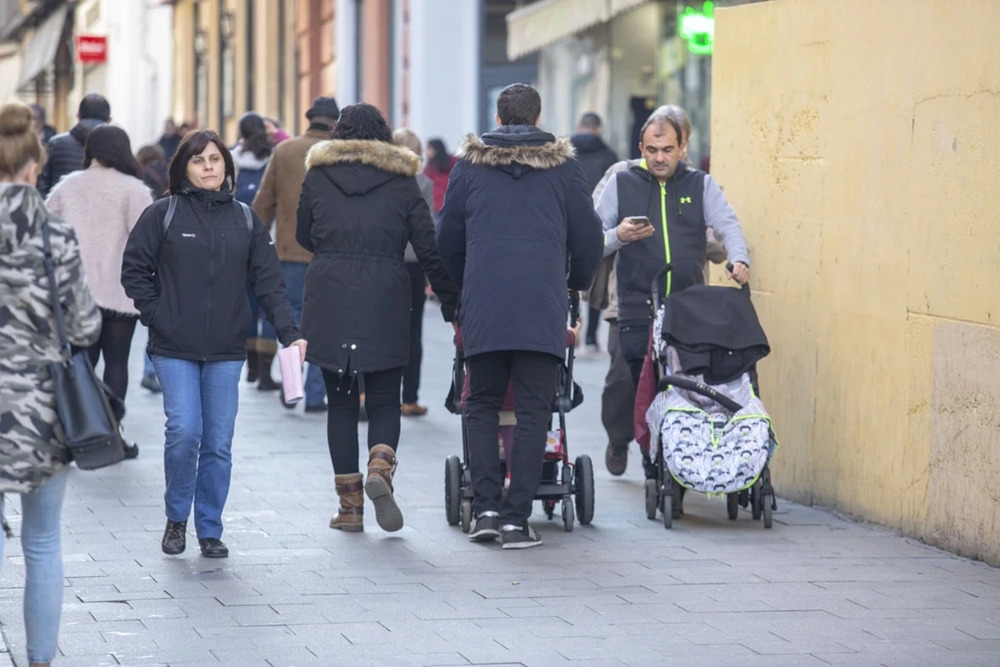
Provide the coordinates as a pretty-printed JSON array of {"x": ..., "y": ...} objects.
[
  {"x": 709, "y": 431},
  {"x": 571, "y": 485}
]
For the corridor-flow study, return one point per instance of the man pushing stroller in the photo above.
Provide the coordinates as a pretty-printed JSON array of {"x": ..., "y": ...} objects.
[
  {"x": 655, "y": 214},
  {"x": 517, "y": 213}
]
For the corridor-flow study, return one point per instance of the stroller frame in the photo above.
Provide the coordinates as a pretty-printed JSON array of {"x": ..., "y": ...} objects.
[
  {"x": 571, "y": 484},
  {"x": 663, "y": 492}
]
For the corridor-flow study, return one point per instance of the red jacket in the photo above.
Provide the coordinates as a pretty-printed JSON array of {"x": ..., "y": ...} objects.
[{"x": 440, "y": 179}]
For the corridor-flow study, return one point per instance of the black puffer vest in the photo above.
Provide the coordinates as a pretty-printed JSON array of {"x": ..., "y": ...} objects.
[{"x": 676, "y": 211}]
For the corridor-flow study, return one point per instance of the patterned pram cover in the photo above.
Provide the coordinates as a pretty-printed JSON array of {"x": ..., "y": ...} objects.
[{"x": 706, "y": 447}]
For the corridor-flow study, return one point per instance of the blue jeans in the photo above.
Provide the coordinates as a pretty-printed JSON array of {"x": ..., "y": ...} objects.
[
  {"x": 42, "y": 546},
  {"x": 295, "y": 287},
  {"x": 200, "y": 399}
]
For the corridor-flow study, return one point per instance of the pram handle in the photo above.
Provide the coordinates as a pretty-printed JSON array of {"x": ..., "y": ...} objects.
[
  {"x": 574, "y": 307},
  {"x": 655, "y": 286},
  {"x": 699, "y": 388},
  {"x": 745, "y": 286}
]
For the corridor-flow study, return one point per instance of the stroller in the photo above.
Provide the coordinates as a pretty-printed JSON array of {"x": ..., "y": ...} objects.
[
  {"x": 709, "y": 431},
  {"x": 569, "y": 484}
]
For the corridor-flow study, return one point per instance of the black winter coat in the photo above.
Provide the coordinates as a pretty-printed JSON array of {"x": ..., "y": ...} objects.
[
  {"x": 359, "y": 207},
  {"x": 594, "y": 156},
  {"x": 65, "y": 154},
  {"x": 189, "y": 284},
  {"x": 517, "y": 219}
]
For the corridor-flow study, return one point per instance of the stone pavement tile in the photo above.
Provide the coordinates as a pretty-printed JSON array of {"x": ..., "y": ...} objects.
[
  {"x": 99, "y": 660},
  {"x": 274, "y": 655}
]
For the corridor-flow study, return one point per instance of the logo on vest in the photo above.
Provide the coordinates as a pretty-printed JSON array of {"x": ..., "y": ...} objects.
[{"x": 685, "y": 200}]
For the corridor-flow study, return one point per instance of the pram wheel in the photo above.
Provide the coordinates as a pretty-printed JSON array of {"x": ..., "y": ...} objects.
[
  {"x": 733, "y": 506},
  {"x": 766, "y": 502},
  {"x": 668, "y": 507},
  {"x": 651, "y": 499},
  {"x": 452, "y": 489},
  {"x": 755, "y": 501},
  {"x": 584, "y": 488},
  {"x": 568, "y": 514},
  {"x": 466, "y": 515}
]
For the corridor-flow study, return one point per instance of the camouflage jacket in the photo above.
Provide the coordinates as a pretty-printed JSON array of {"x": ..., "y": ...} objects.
[{"x": 31, "y": 439}]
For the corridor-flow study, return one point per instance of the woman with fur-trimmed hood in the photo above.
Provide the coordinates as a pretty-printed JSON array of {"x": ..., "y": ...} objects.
[{"x": 360, "y": 206}]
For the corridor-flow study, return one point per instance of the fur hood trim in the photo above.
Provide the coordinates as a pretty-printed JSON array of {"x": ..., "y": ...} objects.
[
  {"x": 546, "y": 156},
  {"x": 378, "y": 154}
]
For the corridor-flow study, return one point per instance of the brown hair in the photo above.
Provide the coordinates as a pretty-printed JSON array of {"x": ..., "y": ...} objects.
[
  {"x": 193, "y": 144},
  {"x": 19, "y": 145},
  {"x": 679, "y": 115}
]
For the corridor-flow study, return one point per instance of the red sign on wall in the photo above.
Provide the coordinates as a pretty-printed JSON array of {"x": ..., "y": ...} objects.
[{"x": 92, "y": 48}]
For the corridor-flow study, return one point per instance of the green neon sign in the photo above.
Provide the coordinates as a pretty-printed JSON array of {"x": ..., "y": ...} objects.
[{"x": 698, "y": 28}]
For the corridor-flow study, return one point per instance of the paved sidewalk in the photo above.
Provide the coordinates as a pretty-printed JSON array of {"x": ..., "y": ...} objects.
[{"x": 815, "y": 590}]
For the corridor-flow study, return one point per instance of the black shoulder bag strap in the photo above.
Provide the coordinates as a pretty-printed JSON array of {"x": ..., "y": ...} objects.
[{"x": 57, "y": 310}]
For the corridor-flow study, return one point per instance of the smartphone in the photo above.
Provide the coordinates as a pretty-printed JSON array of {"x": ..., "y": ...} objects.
[{"x": 640, "y": 220}]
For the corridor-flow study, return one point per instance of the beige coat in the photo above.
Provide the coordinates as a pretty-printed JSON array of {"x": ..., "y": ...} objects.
[
  {"x": 102, "y": 205},
  {"x": 277, "y": 198}
]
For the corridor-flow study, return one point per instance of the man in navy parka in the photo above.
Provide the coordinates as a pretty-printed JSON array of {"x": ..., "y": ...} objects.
[{"x": 518, "y": 229}]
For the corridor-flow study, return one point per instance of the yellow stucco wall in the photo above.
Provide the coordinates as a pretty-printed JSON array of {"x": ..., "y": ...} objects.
[{"x": 860, "y": 143}]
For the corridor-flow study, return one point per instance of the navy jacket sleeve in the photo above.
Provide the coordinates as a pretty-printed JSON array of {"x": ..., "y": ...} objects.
[
  {"x": 451, "y": 227},
  {"x": 420, "y": 226},
  {"x": 269, "y": 283},
  {"x": 303, "y": 220},
  {"x": 584, "y": 235},
  {"x": 140, "y": 262}
]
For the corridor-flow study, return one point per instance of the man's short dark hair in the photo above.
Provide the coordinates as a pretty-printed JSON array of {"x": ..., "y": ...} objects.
[
  {"x": 657, "y": 121},
  {"x": 94, "y": 106},
  {"x": 519, "y": 104},
  {"x": 590, "y": 121}
]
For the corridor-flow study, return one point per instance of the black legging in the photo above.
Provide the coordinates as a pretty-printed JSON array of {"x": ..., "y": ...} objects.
[
  {"x": 114, "y": 345},
  {"x": 382, "y": 405}
]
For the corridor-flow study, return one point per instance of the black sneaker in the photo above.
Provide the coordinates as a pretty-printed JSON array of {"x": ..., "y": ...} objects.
[
  {"x": 487, "y": 527},
  {"x": 174, "y": 539},
  {"x": 519, "y": 537},
  {"x": 131, "y": 450},
  {"x": 213, "y": 547}
]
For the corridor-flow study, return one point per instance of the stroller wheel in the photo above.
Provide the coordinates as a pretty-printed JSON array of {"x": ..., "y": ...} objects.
[
  {"x": 549, "y": 506},
  {"x": 466, "y": 515},
  {"x": 584, "y": 479},
  {"x": 652, "y": 499},
  {"x": 766, "y": 500},
  {"x": 668, "y": 508},
  {"x": 755, "y": 501},
  {"x": 452, "y": 489},
  {"x": 733, "y": 506},
  {"x": 568, "y": 514}
]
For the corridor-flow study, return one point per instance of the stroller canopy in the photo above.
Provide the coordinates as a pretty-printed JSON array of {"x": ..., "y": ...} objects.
[{"x": 715, "y": 332}]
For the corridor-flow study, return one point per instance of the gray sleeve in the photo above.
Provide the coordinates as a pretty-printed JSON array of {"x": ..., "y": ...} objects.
[
  {"x": 721, "y": 217},
  {"x": 607, "y": 211}
]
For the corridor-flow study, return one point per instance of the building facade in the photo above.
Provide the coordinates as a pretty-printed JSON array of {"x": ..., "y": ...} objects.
[{"x": 621, "y": 59}]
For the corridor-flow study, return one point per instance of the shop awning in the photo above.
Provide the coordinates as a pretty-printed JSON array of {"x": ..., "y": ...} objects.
[
  {"x": 546, "y": 21},
  {"x": 42, "y": 46}
]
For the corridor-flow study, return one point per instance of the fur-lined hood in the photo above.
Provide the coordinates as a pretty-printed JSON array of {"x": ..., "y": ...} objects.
[
  {"x": 516, "y": 145},
  {"x": 378, "y": 154}
]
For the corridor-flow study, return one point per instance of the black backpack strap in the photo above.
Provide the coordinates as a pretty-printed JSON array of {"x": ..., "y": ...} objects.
[
  {"x": 169, "y": 217},
  {"x": 248, "y": 215}
]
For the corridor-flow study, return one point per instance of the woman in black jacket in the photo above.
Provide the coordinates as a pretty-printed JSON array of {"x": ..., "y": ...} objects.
[
  {"x": 186, "y": 266},
  {"x": 360, "y": 205}
]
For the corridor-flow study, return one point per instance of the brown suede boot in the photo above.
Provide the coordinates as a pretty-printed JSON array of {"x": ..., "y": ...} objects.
[
  {"x": 381, "y": 466},
  {"x": 352, "y": 503}
]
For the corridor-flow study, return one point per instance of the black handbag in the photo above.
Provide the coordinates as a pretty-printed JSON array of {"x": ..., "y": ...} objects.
[{"x": 88, "y": 410}]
